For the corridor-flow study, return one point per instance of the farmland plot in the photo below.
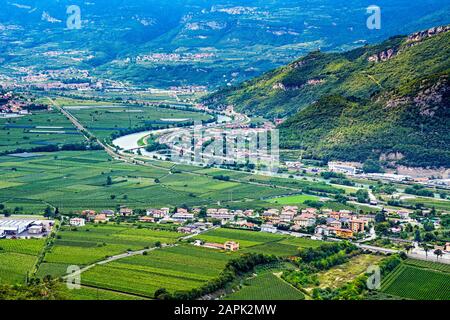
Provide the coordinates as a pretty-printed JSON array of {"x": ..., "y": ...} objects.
[
  {"x": 266, "y": 286},
  {"x": 94, "y": 243},
  {"x": 419, "y": 281},
  {"x": 17, "y": 258},
  {"x": 177, "y": 268}
]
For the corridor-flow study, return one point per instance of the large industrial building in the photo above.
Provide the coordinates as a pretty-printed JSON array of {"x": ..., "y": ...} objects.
[
  {"x": 24, "y": 227},
  {"x": 14, "y": 227}
]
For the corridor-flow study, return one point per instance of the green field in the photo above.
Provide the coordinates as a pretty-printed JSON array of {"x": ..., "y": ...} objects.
[
  {"x": 245, "y": 238},
  {"x": 418, "y": 281},
  {"x": 438, "y": 204},
  {"x": 96, "y": 242},
  {"x": 178, "y": 268},
  {"x": 17, "y": 258},
  {"x": 293, "y": 200},
  {"x": 37, "y": 130},
  {"x": 88, "y": 293},
  {"x": 429, "y": 264},
  {"x": 266, "y": 286},
  {"x": 260, "y": 242},
  {"x": 74, "y": 181},
  {"x": 288, "y": 246},
  {"x": 102, "y": 121}
]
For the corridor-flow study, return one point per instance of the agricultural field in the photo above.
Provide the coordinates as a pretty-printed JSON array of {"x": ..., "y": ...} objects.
[
  {"x": 300, "y": 185},
  {"x": 245, "y": 238},
  {"x": 294, "y": 200},
  {"x": 88, "y": 293},
  {"x": 418, "y": 281},
  {"x": 288, "y": 246},
  {"x": 74, "y": 181},
  {"x": 105, "y": 120},
  {"x": 429, "y": 265},
  {"x": 260, "y": 242},
  {"x": 176, "y": 268},
  {"x": 40, "y": 129},
  {"x": 266, "y": 286},
  {"x": 438, "y": 204},
  {"x": 18, "y": 258},
  {"x": 89, "y": 244}
]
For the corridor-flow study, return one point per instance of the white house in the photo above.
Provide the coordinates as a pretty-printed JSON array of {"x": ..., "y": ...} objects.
[
  {"x": 403, "y": 214},
  {"x": 157, "y": 214},
  {"x": 342, "y": 167},
  {"x": 268, "y": 228},
  {"x": 322, "y": 230},
  {"x": 77, "y": 222},
  {"x": 183, "y": 216},
  {"x": 222, "y": 216},
  {"x": 305, "y": 220}
]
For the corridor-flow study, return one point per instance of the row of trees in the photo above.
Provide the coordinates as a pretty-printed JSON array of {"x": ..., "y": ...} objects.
[{"x": 55, "y": 148}]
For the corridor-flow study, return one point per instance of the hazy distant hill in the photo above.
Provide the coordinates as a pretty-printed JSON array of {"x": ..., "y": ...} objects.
[
  {"x": 245, "y": 37},
  {"x": 388, "y": 102}
]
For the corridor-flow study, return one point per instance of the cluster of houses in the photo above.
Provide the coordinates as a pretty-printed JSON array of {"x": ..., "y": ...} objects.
[
  {"x": 102, "y": 217},
  {"x": 342, "y": 224},
  {"x": 173, "y": 57},
  {"x": 165, "y": 215},
  {"x": 322, "y": 223},
  {"x": 11, "y": 106},
  {"x": 326, "y": 222}
]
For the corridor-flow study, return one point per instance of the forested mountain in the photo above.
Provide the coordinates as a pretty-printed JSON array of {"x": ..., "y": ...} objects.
[{"x": 389, "y": 102}]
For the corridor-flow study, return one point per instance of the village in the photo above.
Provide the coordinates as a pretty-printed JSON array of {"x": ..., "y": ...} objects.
[{"x": 324, "y": 224}]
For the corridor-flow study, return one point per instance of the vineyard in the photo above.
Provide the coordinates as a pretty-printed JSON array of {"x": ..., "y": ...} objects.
[
  {"x": 419, "y": 280},
  {"x": 83, "y": 246},
  {"x": 428, "y": 264},
  {"x": 17, "y": 258},
  {"x": 284, "y": 247},
  {"x": 87, "y": 293},
  {"x": 266, "y": 286},
  {"x": 177, "y": 268}
]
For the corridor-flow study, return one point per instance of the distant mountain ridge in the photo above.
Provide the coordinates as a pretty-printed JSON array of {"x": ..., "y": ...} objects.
[
  {"x": 243, "y": 37},
  {"x": 387, "y": 102}
]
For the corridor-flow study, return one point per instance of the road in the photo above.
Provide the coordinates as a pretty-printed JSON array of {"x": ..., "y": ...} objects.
[
  {"x": 192, "y": 235},
  {"x": 430, "y": 257},
  {"x": 376, "y": 249}
]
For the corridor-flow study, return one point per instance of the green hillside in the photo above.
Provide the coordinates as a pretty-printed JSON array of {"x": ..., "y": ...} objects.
[{"x": 388, "y": 101}]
